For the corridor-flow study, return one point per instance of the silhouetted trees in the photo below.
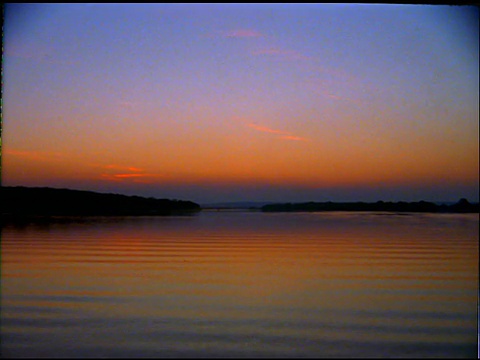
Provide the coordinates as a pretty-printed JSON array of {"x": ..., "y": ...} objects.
[
  {"x": 463, "y": 206},
  {"x": 19, "y": 201}
]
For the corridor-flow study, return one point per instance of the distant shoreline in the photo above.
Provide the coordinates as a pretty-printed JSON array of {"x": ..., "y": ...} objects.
[
  {"x": 462, "y": 206},
  {"x": 44, "y": 203},
  {"x": 29, "y": 202}
]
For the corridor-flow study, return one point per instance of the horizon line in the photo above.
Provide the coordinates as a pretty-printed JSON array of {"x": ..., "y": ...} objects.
[{"x": 219, "y": 202}]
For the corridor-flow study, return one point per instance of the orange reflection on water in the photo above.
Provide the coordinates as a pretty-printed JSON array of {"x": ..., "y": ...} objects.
[
  {"x": 252, "y": 263},
  {"x": 318, "y": 276}
]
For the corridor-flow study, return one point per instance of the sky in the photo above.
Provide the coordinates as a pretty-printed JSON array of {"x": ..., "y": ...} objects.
[{"x": 243, "y": 102}]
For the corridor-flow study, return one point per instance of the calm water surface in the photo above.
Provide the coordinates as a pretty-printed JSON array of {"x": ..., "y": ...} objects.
[{"x": 243, "y": 284}]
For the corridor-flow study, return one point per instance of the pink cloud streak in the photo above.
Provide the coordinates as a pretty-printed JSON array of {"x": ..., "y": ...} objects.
[
  {"x": 123, "y": 168},
  {"x": 266, "y": 129},
  {"x": 286, "y": 135},
  {"x": 35, "y": 154},
  {"x": 235, "y": 34},
  {"x": 34, "y": 52},
  {"x": 118, "y": 173},
  {"x": 242, "y": 33},
  {"x": 281, "y": 53},
  {"x": 294, "y": 138}
]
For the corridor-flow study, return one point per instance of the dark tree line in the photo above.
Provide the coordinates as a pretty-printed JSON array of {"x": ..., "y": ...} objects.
[
  {"x": 20, "y": 201},
  {"x": 462, "y": 206}
]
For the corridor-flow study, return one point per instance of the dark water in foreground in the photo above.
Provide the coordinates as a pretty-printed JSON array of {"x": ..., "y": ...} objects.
[{"x": 243, "y": 284}]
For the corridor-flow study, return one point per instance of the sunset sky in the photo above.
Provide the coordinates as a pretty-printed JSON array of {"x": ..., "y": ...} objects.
[{"x": 243, "y": 102}]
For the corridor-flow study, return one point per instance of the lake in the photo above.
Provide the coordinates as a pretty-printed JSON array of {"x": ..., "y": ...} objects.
[{"x": 242, "y": 284}]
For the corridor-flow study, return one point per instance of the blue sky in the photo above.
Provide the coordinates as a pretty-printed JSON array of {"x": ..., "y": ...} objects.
[{"x": 240, "y": 101}]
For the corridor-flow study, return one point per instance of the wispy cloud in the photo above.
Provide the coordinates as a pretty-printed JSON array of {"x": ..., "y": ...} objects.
[
  {"x": 266, "y": 129},
  {"x": 330, "y": 95},
  {"x": 121, "y": 176},
  {"x": 109, "y": 172},
  {"x": 236, "y": 34},
  {"x": 34, "y": 154},
  {"x": 144, "y": 178},
  {"x": 120, "y": 173},
  {"x": 128, "y": 104},
  {"x": 242, "y": 33},
  {"x": 34, "y": 52},
  {"x": 123, "y": 168},
  {"x": 338, "y": 86},
  {"x": 285, "y": 135},
  {"x": 281, "y": 53},
  {"x": 294, "y": 138}
]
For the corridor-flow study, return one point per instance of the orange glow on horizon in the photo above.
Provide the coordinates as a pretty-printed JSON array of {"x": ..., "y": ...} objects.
[
  {"x": 307, "y": 167},
  {"x": 280, "y": 101}
]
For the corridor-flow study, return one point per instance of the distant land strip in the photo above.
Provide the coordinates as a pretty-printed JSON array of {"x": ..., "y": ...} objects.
[
  {"x": 462, "y": 206},
  {"x": 18, "y": 201}
]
